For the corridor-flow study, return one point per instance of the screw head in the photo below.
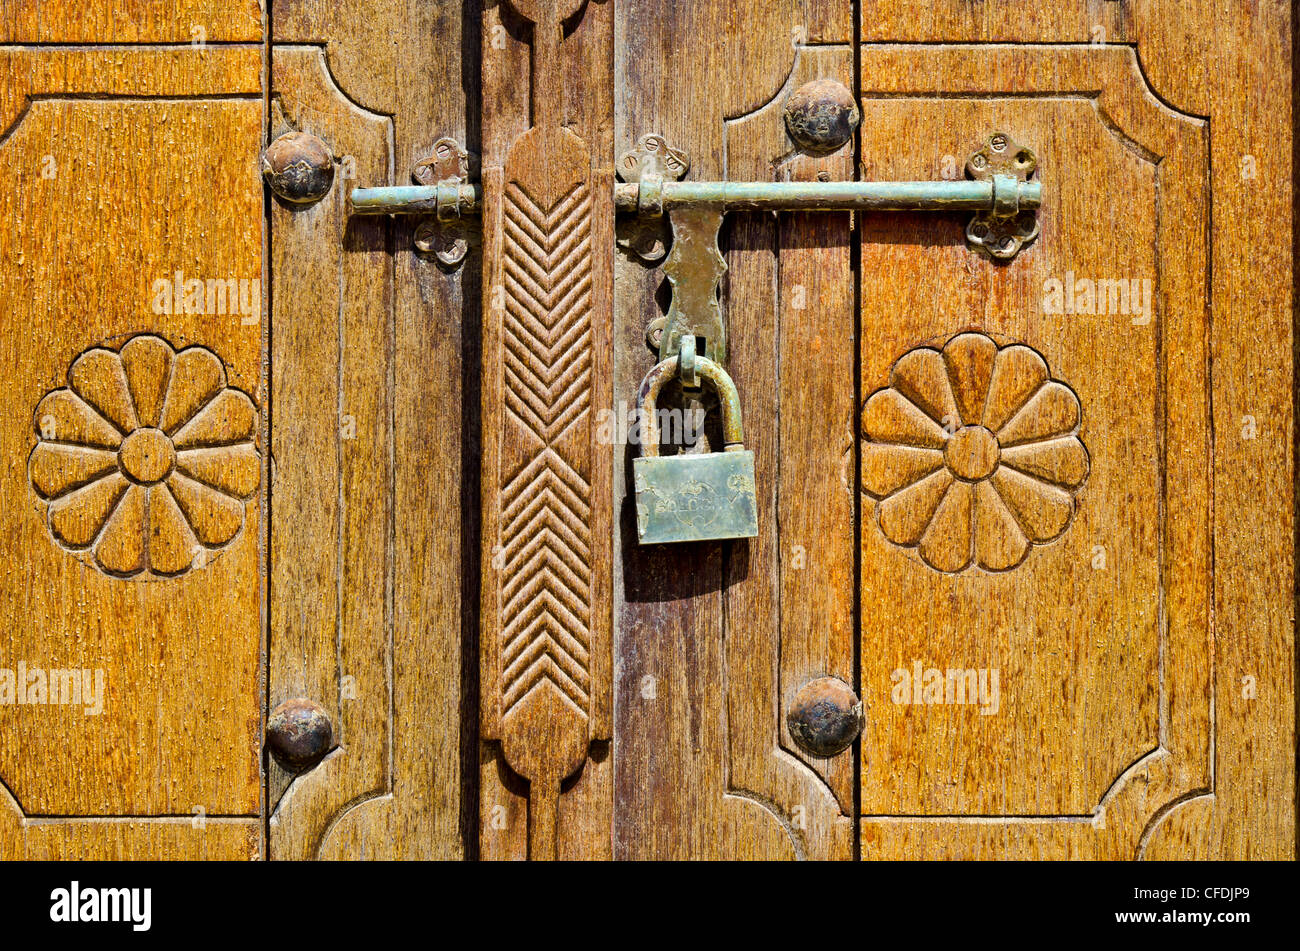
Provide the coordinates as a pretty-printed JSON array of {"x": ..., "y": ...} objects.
[
  {"x": 299, "y": 733},
  {"x": 299, "y": 167},
  {"x": 821, "y": 116},
  {"x": 826, "y": 716},
  {"x": 445, "y": 241},
  {"x": 654, "y": 332}
]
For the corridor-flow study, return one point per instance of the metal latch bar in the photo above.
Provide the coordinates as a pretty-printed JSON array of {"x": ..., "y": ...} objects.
[
  {"x": 846, "y": 196},
  {"x": 1002, "y": 193},
  {"x": 441, "y": 201}
]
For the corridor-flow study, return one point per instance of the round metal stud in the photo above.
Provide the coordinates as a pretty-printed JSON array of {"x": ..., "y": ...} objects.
[
  {"x": 821, "y": 116},
  {"x": 826, "y": 716},
  {"x": 299, "y": 733},
  {"x": 298, "y": 167}
]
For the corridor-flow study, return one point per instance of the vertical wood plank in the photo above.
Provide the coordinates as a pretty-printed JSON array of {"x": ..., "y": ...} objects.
[
  {"x": 408, "y": 594},
  {"x": 548, "y": 245},
  {"x": 164, "y": 607},
  {"x": 814, "y": 348},
  {"x": 699, "y": 766},
  {"x": 331, "y": 435},
  {"x": 1250, "y": 812}
]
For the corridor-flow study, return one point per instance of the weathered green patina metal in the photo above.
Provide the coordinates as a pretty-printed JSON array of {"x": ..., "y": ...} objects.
[
  {"x": 703, "y": 496},
  {"x": 693, "y": 496},
  {"x": 437, "y": 200},
  {"x": 999, "y": 193},
  {"x": 467, "y": 199},
  {"x": 834, "y": 196}
]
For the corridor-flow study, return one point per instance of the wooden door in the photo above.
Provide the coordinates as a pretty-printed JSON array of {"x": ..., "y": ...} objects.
[
  {"x": 320, "y": 531},
  {"x": 288, "y": 527},
  {"x": 134, "y": 431}
]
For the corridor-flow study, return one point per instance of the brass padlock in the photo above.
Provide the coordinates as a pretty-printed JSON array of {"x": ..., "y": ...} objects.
[{"x": 700, "y": 496}]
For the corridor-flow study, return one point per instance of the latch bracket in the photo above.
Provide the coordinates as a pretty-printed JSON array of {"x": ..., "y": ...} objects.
[
  {"x": 442, "y": 234},
  {"x": 1005, "y": 203}
]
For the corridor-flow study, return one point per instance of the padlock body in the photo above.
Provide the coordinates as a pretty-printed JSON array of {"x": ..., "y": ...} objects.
[{"x": 695, "y": 497}]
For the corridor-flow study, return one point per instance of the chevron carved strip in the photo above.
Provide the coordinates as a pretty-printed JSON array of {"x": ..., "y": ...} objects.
[
  {"x": 547, "y": 509},
  {"x": 547, "y": 258}
]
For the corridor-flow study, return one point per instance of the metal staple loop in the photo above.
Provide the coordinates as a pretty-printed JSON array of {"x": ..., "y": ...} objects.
[
  {"x": 688, "y": 367},
  {"x": 448, "y": 200},
  {"x": 1006, "y": 196},
  {"x": 650, "y": 196}
]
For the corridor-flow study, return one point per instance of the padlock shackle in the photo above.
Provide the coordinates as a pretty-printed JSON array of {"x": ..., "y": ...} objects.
[{"x": 733, "y": 435}]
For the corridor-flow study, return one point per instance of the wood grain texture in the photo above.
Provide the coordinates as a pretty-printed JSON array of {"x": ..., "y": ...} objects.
[
  {"x": 1230, "y": 67},
  {"x": 1147, "y": 705},
  {"x": 409, "y": 383},
  {"x": 1105, "y": 704},
  {"x": 180, "y": 838},
  {"x": 130, "y": 21},
  {"x": 331, "y": 438},
  {"x": 1176, "y": 49},
  {"x": 546, "y": 518},
  {"x": 810, "y": 376},
  {"x": 1250, "y": 810},
  {"x": 702, "y": 764},
  {"x": 112, "y": 141}
]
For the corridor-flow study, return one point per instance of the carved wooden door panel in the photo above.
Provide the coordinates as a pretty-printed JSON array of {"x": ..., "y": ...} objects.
[
  {"x": 230, "y": 631},
  {"x": 320, "y": 526},
  {"x": 134, "y": 432},
  {"x": 1003, "y": 497},
  {"x": 1053, "y": 470},
  {"x": 1048, "y": 510}
]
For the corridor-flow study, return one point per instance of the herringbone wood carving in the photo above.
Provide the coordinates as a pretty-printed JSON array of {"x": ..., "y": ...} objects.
[
  {"x": 547, "y": 510},
  {"x": 546, "y": 536}
]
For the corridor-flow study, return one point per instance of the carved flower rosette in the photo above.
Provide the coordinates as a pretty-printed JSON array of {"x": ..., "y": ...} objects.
[
  {"x": 973, "y": 454},
  {"x": 145, "y": 462}
]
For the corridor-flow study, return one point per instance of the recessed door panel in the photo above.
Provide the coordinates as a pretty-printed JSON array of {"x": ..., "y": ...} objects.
[
  {"x": 1035, "y": 465},
  {"x": 133, "y": 521}
]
